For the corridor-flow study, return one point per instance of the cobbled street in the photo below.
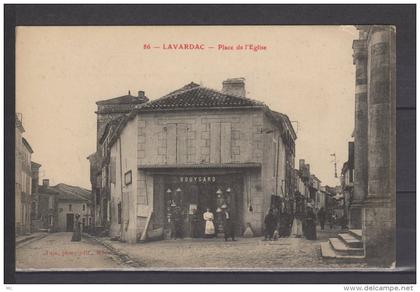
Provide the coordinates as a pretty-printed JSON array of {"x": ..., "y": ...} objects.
[
  {"x": 57, "y": 251},
  {"x": 250, "y": 253}
]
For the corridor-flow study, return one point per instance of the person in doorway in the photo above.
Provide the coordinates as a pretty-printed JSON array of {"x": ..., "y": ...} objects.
[
  {"x": 209, "y": 230},
  {"x": 229, "y": 226},
  {"x": 177, "y": 220},
  {"x": 310, "y": 224},
  {"x": 321, "y": 217},
  {"x": 270, "y": 225}
]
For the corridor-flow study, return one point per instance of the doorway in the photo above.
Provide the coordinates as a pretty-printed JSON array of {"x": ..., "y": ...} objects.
[
  {"x": 193, "y": 195},
  {"x": 69, "y": 222}
]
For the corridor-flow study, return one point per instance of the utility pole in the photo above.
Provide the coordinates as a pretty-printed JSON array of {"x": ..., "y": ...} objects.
[{"x": 335, "y": 164}]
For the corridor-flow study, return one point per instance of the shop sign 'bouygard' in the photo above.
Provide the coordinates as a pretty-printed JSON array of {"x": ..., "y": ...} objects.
[{"x": 197, "y": 179}]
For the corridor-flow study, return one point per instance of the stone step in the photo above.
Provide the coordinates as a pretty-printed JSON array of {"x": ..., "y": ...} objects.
[
  {"x": 356, "y": 233},
  {"x": 341, "y": 248},
  {"x": 350, "y": 240},
  {"x": 328, "y": 253}
]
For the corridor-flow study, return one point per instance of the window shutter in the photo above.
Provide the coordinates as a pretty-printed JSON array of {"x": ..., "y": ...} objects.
[{"x": 226, "y": 142}]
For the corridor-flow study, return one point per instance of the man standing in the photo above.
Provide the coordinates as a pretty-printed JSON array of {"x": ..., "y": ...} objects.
[
  {"x": 270, "y": 225},
  {"x": 228, "y": 225},
  {"x": 321, "y": 217}
]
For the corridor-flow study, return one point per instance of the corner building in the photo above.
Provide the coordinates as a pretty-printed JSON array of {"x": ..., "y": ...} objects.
[{"x": 198, "y": 148}]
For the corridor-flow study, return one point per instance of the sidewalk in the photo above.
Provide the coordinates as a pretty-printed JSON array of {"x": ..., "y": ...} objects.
[{"x": 20, "y": 239}]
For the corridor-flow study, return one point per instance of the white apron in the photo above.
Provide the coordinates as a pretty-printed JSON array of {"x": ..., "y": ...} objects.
[{"x": 208, "y": 217}]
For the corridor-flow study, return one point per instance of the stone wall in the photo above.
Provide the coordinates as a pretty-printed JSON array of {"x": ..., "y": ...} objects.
[{"x": 200, "y": 137}]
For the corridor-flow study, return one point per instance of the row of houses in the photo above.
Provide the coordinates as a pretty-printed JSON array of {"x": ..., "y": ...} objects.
[
  {"x": 44, "y": 207},
  {"x": 194, "y": 148}
]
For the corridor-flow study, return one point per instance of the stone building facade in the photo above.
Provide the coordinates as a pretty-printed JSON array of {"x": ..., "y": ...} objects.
[
  {"x": 109, "y": 113},
  {"x": 375, "y": 140},
  {"x": 23, "y": 180},
  {"x": 198, "y": 148}
]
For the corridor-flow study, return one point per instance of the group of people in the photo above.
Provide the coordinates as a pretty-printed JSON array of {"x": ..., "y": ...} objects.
[
  {"x": 228, "y": 224},
  {"x": 210, "y": 229},
  {"x": 284, "y": 224}
]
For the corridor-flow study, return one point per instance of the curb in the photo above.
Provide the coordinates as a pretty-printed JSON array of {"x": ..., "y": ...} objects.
[{"x": 126, "y": 259}]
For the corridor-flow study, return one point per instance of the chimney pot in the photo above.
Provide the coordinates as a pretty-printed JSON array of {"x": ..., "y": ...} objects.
[
  {"x": 234, "y": 86},
  {"x": 46, "y": 182},
  {"x": 141, "y": 94}
]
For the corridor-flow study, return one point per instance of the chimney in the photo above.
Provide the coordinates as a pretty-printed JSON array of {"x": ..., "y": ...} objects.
[
  {"x": 301, "y": 164},
  {"x": 234, "y": 86},
  {"x": 46, "y": 183},
  {"x": 142, "y": 96}
]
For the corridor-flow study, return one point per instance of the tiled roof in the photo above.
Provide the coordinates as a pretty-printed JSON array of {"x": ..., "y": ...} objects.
[
  {"x": 26, "y": 143},
  {"x": 72, "y": 193},
  {"x": 196, "y": 96},
  {"x": 111, "y": 126}
]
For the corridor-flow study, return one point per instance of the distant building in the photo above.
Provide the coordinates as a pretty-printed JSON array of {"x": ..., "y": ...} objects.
[
  {"x": 23, "y": 180},
  {"x": 347, "y": 179},
  {"x": 58, "y": 205}
]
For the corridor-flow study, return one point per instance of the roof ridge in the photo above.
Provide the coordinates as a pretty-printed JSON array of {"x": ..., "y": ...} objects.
[
  {"x": 234, "y": 95},
  {"x": 179, "y": 91}
]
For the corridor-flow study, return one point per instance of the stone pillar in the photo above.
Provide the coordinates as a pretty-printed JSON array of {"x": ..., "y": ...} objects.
[
  {"x": 379, "y": 206},
  {"x": 360, "y": 131}
]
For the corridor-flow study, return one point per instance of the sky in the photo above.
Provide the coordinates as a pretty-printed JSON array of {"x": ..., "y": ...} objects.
[{"x": 306, "y": 72}]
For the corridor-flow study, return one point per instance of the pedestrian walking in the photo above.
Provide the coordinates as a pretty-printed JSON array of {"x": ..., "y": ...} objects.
[
  {"x": 321, "y": 217},
  {"x": 331, "y": 220},
  {"x": 270, "y": 225},
  {"x": 284, "y": 224},
  {"x": 310, "y": 224},
  {"x": 229, "y": 225},
  {"x": 77, "y": 233},
  {"x": 209, "y": 230}
]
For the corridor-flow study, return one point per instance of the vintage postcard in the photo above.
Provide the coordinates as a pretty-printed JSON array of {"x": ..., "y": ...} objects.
[{"x": 215, "y": 148}]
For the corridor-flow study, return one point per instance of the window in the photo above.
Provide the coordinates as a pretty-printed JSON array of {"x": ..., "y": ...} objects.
[
  {"x": 220, "y": 142},
  {"x": 70, "y": 207},
  {"x": 127, "y": 177},
  {"x": 83, "y": 207},
  {"x": 83, "y": 221}
]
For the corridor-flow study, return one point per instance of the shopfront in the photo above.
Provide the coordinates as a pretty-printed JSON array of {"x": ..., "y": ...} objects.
[{"x": 190, "y": 195}]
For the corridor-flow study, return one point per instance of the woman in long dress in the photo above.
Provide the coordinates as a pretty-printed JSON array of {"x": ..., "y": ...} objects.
[
  {"x": 310, "y": 224},
  {"x": 209, "y": 230},
  {"x": 297, "y": 228}
]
